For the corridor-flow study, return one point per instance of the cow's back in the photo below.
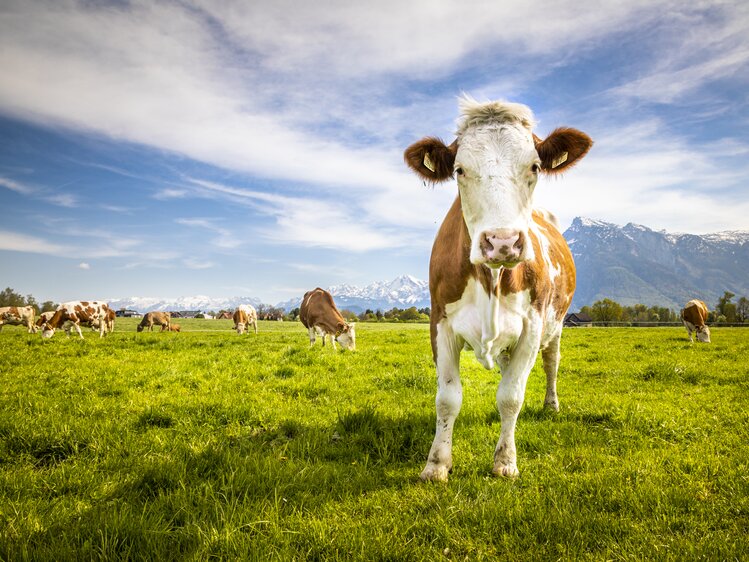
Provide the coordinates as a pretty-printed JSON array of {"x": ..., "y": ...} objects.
[
  {"x": 695, "y": 312},
  {"x": 317, "y": 306}
]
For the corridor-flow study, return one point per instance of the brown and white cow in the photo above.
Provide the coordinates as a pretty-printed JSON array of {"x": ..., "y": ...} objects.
[
  {"x": 320, "y": 315},
  {"x": 74, "y": 313},
  {"x": 501, "y": 276},
  {"x": 44, "y": 317},
  {"x": 244, "y": 316},
  {"x": 694, "y": 316},
  {"x": 18, "y": 316},
  {"x": 162, "y": 319}
]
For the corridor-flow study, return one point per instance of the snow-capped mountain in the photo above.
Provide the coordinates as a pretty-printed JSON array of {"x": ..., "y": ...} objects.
[
  {"x": 634, "y": 264},
  {"x": 198, "y": 302},
  {"x": 402, "y": 292}
]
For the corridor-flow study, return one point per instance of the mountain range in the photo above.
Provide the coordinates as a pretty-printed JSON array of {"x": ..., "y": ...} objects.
[
  {"x": 630, "y": 264},
  {"x": 634, "y": 264}
]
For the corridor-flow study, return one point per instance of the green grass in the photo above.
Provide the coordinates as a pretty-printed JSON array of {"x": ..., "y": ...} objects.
[{"x": 210, "y": 445}]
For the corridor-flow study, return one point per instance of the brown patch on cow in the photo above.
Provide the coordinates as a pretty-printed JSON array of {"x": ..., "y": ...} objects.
[
  {"x": 450, "y": 267},
  {"x": 695, "y": 312},
  {"x": 319, "y": 310},
  {"x": 442, "y": 158},
  {"x": 562, "y": 140}
]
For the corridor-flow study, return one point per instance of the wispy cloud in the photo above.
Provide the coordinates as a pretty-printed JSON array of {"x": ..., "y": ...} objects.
[{"x": 84, "y": 265}]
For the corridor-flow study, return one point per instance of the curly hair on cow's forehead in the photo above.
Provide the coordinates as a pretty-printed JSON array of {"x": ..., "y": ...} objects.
[{"x": 474, "y": 113}]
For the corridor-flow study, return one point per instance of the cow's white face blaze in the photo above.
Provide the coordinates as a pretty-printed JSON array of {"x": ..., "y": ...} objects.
[
  {"x": 703, "y": 334},
  {"x": 496, "y": 166},
  {"x": 347, "y": 338}
]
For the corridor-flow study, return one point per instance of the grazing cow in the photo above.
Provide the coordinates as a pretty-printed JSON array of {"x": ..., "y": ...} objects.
[
  {"x": 319, "y": 314},
  {"x": 72, "y": 314},
  {"x": 162, "y": 319},
  {"x": 173, "y": 328},
  {"x": 44, "y": 317},
  {"x": 501, "y": 276},
  {"x": 18, "y": 316},
  {"x": 244, "y": 316},
  {"x": 694, "y": 316}
]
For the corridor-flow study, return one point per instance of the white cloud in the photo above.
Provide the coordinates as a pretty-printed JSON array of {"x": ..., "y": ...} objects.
[
  {"x": 16, "y": 242},
  {"x": 193, "y": 263},
  {"x": 16, "y": 186},
  {"x": 84, "y": 265}
]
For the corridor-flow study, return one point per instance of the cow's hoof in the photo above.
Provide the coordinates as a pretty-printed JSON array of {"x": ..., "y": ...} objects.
[
  {"x": 434, "y": 473},
  {"x": 553, "y": 406},
  {"x": 506, "y": 471}
]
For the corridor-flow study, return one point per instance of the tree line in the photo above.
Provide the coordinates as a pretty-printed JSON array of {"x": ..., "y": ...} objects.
[{"x": 725, "y": 311}]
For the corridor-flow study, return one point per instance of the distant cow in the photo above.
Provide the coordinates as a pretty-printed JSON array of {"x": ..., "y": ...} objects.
[
  {"x": 162, "y": 319},
  {"x": 320, "y": 315},
  {"x": 173, "y": 328},
  {"x": 74, "y": 313},
  {"x": 18, "y": 316},
  {"x": 694, "y": 316},
  {"x": 501, "y": 276},
  {"x": 244, "y": 316}
]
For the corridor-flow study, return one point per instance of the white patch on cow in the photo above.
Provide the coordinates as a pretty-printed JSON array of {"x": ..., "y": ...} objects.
[{"x": 494, "y": 168}]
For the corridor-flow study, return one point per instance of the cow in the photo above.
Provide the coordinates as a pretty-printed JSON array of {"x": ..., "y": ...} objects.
[
  {"x": 44, "y": 317},
  {"x": 320, "y": 315},
  {"x": 162, "y": 319},
  {"x": 501, "y": 276},
  {"x": 694, "y": 316},
  {"x": 244, "y": 316},
  {"x": 173, "y": 328},
  {"x": 108, "y": 322},
  {"x": 74, "y": 313},
  {"x": 18, "y": 316}
]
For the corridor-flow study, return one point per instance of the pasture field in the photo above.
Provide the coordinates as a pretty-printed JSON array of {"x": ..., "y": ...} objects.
[{"x": 210, "y": 445}]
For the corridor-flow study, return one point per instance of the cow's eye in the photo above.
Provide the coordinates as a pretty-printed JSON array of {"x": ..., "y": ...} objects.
[
  {"x": 459, "y": 171},
  {"x": 535, "y": 168}
]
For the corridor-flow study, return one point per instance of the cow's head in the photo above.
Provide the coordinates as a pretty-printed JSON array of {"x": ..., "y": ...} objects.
[
  {"x": 139, "y": 328},
  {"x": 497, "y": 159},
  {"x": 346, "y": 336},
  {"x": 47, "y": 331},
  {"x": 240, "y": 327},
  {"x": 703, "y": 334}
]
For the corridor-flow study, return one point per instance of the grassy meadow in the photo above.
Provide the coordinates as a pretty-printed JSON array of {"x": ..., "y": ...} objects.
[{"x": 209, "y": 445}]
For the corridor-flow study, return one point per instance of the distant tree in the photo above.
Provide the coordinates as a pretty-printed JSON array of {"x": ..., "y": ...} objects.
[
  {"x": 349, "y": 315},
  {"x": 48, "y": 306},
  {"x": 294, "y": 313},
  {"x": 409, "y": 315},
  {"x": 606, "y": 310},
  {"x": 742, "y": 310},
  {"x": 378, "y": 314},
  {"x": 724, "y": 301},
  {"x": 426, "y": 310},
  {"x": 31, "y": 301},
  {"x": 8, "y": 297}
]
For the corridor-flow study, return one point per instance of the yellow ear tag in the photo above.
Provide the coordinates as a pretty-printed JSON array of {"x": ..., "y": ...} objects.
[
  {"x": 559, "y": 161},
  {"x": 428, "y": 162}
]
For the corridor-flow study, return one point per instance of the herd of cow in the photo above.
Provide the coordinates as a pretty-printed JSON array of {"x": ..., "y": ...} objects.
[
  {"x": 318, "y": 313},
  {"x": 501, "y": 275}
]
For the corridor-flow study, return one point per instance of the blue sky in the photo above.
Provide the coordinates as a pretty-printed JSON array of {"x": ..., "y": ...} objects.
[{"x": 229, "y": 148}]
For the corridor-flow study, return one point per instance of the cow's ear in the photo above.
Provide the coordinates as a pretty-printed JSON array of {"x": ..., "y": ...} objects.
[
  {"x": 562, "y": 149},
  {"x": 431, "y": 159}
]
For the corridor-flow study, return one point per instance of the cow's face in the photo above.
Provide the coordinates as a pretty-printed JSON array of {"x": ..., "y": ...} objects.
[
  {"x": 496, "y": 160},
  {"x": 347, "y": 337},
  {"x": 497, "y": 168},
  {"x": 703, "y": 334},
  {"x": 240, "y": 327},
  {"x": 139, "y": 328},
  {"x": 47, "y": 331}
]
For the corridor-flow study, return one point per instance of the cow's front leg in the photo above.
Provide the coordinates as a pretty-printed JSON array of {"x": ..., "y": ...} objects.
[
  {"x": 311, "y": 331},
  {"x": 78, "y": 329},
  {"x": 551, "y": 366},
  {"x": 448, "y": 402},
  {"x": 510, "y": 396}
]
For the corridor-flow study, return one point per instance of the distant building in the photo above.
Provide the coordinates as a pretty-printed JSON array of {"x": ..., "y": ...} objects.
[
  {"x": 574, "y": 319},
  {"x": 224, "y": 316},
  {"x": 127, "y": 313},
  {"x": 185, "y": 313}
]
